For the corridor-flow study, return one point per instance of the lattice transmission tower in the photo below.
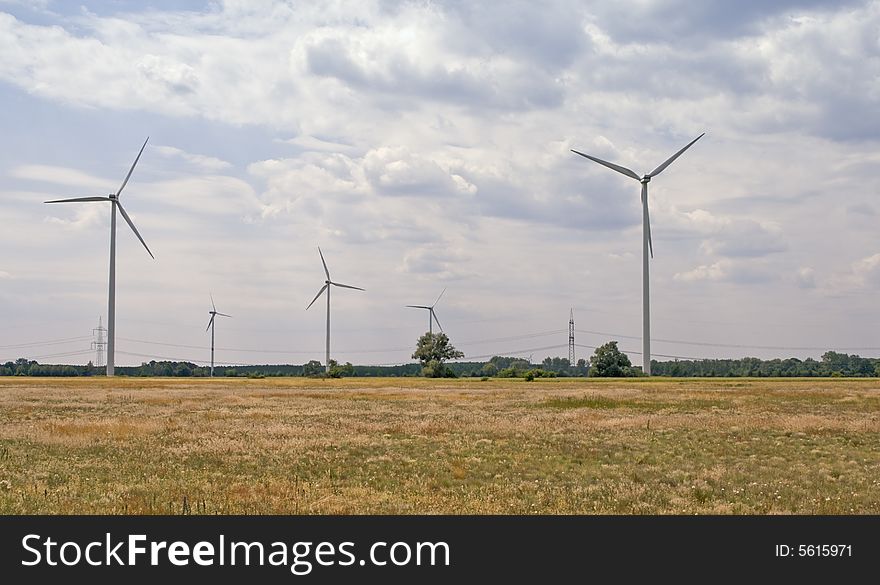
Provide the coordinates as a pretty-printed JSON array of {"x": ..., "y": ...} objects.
[
  {"x": 99, "y": 344},
  {"x": 571, "y": 361}
]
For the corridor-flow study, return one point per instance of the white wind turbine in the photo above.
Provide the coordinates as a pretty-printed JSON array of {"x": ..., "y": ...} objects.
[
  {"x": 213, "y": 312},
  {"x": 113, "y": 198},
  {"x": 647, "y": 244},
  {"x": 327, "y": 284},
  {"x": 432, "y": 316}
]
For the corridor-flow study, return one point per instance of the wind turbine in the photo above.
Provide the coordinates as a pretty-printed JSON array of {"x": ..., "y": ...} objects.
[
  {"x": 432, "y": 316},
  {"x": 213, "y": 312},
  {"x": 647, "y": 244},
  {"x": 327, "y": 284},
  {"x": 113, "y": 198}
]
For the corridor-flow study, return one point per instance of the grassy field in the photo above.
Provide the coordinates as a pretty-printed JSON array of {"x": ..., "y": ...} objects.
[{"x": 668, "y": 446}]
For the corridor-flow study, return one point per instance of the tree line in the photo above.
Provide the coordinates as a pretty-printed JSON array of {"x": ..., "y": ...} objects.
[
  {"x": 832, "y": 364},
  {"x": 607, "y": 361}
]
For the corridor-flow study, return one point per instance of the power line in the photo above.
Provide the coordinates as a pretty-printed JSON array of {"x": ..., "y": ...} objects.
[
  {"x": 733, "y": 345},
  {"x": 515, "y": 337},
  {"x": 628, "y": 352},
  {"x": 177, "y": 359},
  {"x": 49, "y": 342},
  {"x": 355, "y": 351},
  {"x": 54, "y": 355},
  {"x": 514, "y": 352},
  {"x": 251, "y": 350}
]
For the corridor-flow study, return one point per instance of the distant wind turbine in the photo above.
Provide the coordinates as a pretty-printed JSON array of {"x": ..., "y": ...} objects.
[
  {"x": 213, "y": 312},
  {"x": 326, "y": 287},
  {"x": 116, "y": 204},
  {"x": 432, "y": 316},
  {"x": 647, "y": 244}
]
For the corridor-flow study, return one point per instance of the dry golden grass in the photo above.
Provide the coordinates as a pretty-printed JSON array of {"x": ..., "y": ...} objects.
[{"x": 223, "y": 446}]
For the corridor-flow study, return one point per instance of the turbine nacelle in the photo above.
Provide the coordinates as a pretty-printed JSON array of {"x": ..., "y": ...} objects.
[
  {"x": 431, "y": 313},
  {"x": 214, "y": 312}
]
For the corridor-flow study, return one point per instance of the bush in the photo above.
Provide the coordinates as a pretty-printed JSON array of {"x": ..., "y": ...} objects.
[
  {"x": 611, "y": 362},
  {"x": 489, "y": 369},
  {"x": 337, "y": 371},
  {"x": 312, "y": 368},
  {"x": 507, "y": 373}
]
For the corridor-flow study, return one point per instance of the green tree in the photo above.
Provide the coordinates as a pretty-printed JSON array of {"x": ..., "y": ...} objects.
[
  {"x": 432, "y": 350},
  {"x": 489, "y": 369},
  {"x": 312, "y": 368},
  {"x": 337, "y": 371},
  {"x": 608, "y": 361}
]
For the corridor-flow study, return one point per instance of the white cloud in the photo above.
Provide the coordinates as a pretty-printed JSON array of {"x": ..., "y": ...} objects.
[
  {"x": 71, "y": 178},
  {"x": 420, "y": 142},
  {"x": 441, "y": 262},
  {"x": 204, "y": 195},
  {"x": 84, "y": 215},
  {"x": 396, "y": 171},
  {"x": 208, "y": 163},
  {"x": 806, "y": 278},
  {"x": 867, "y": 270},
  {"x": 861, "y": 276},
  {"x": 713, "y": 272}
]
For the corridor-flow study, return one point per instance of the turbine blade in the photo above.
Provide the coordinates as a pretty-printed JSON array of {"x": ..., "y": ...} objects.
[
  {"x": 618, "y": 168},
  {"x": 224, "y": 315},
  {"x": 134, "y": 229},
  {"x": 134, "y": 164},
  {"x": 648, "y": 214},
  {"x": 438, "y": 298},
  {"x": 210, "y": 323},
  {"x": 320, "y": 292},
  {"x": 77, "y": 199},
  {"x": 418, "y": 307},
  {"x": 436, "y": 320},
  {"x": 668, "y": 162},
  {"x": 347, "y": 286},
  {"x": 327, "y": 272},
  {"x": 213, "y": 306}
]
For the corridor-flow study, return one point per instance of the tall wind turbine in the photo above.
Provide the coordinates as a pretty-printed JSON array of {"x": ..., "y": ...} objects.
[
  {"x": 113, "y": 198},
  {"x": 432, "y": 316},
  {"x": 326, "y": 287},
  {"x": 213, "y": 312},
  {"x": 647, "y": 244}
]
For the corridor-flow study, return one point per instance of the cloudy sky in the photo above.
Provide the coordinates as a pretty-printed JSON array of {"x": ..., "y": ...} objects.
[{"x": 425, "y": 145}]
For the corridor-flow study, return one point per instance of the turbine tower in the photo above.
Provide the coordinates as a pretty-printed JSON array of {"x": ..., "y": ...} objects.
[
  {"x": 647, "y": 244},
  {"x": 113, "y": 198},
  {"x": 326, "y": 287},
  {"x": 432, "y": 316},
  {"x": 213, "y": 312}
]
